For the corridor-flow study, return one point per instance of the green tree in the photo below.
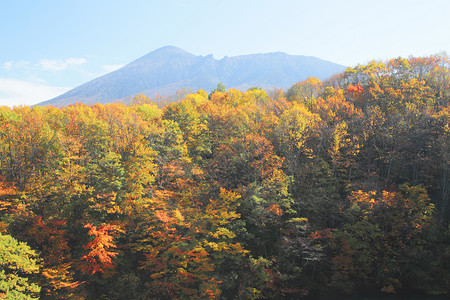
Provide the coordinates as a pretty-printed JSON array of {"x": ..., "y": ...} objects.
[
  {"x": 18, "y": 262},
  {"x": 220, "y": 88}
]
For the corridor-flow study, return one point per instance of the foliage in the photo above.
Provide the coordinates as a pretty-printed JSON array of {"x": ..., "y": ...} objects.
[
  {"x": 340, "y": 186},
  {"x": 18, "y": 261}
]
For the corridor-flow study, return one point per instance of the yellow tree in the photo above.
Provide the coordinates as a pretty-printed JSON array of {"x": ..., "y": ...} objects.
[{"x": 305, "y": 92}]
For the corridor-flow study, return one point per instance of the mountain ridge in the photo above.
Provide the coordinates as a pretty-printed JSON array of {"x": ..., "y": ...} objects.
[{"x": 169, "y": 68}]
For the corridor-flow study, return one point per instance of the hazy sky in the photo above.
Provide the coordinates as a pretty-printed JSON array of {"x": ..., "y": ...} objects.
[{"x": 50, "y": 46}]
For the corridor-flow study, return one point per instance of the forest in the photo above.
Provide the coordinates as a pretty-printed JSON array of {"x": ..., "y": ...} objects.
[{"x": 335, "y": 187}]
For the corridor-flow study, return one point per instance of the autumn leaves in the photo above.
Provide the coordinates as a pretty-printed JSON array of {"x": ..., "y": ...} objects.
[{"x": 332, "y": 186}]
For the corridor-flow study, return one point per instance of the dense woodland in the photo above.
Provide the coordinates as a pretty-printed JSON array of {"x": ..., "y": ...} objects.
[{"x": 334, "y": 187}]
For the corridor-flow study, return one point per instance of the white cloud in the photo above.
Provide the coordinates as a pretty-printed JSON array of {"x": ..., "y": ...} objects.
[
  {"x": 15, "y": 92},
  {"x": 14, "y": 65},
  {"x": 59, "y": 65},
  {"x": 75, "y": 61},
  {"x": 111, "y": 68},
  {"x": 8, "y": 65}
]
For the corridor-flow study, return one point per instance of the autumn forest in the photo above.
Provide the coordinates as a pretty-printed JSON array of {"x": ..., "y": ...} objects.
[{"x": 335, "y": 187}]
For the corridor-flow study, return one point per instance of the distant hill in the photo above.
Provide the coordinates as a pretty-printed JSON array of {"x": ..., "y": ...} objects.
[{"x": 168, "y": 69}]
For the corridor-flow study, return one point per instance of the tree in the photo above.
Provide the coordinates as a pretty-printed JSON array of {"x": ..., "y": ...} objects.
[
  {"x": 382, "y": 240},
  {"x": 305, "y": 92},
  {"x": 18, "y": 262},
  {"x": 220, "y": 88},
  {"x": 99, "y": 258}
]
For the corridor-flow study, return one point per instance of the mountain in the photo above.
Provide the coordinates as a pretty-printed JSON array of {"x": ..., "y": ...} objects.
[{"x": 168, "y": 69}]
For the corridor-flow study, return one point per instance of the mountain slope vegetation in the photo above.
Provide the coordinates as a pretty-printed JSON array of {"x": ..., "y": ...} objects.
[{"x": 335, "y": 187}]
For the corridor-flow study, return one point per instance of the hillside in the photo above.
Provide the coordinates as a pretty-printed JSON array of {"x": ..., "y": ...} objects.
[
  {"x": 168, "y": 69},
  {"x": 326, "y": 192}
]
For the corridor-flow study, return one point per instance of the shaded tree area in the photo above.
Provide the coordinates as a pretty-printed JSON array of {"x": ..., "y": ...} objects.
[{"x": 337, "y": 187}]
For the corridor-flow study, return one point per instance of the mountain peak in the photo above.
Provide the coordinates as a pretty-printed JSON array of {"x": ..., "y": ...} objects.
[
  {"x": 163, "y": 54},
  {"x": 168, "y": 50}
]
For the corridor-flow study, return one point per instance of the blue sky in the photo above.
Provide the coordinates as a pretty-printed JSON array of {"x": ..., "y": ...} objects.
[{"x": 48, "y": 47}]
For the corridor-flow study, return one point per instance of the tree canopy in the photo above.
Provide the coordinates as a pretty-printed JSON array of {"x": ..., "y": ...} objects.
[{"x": 333, "y": 187}]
